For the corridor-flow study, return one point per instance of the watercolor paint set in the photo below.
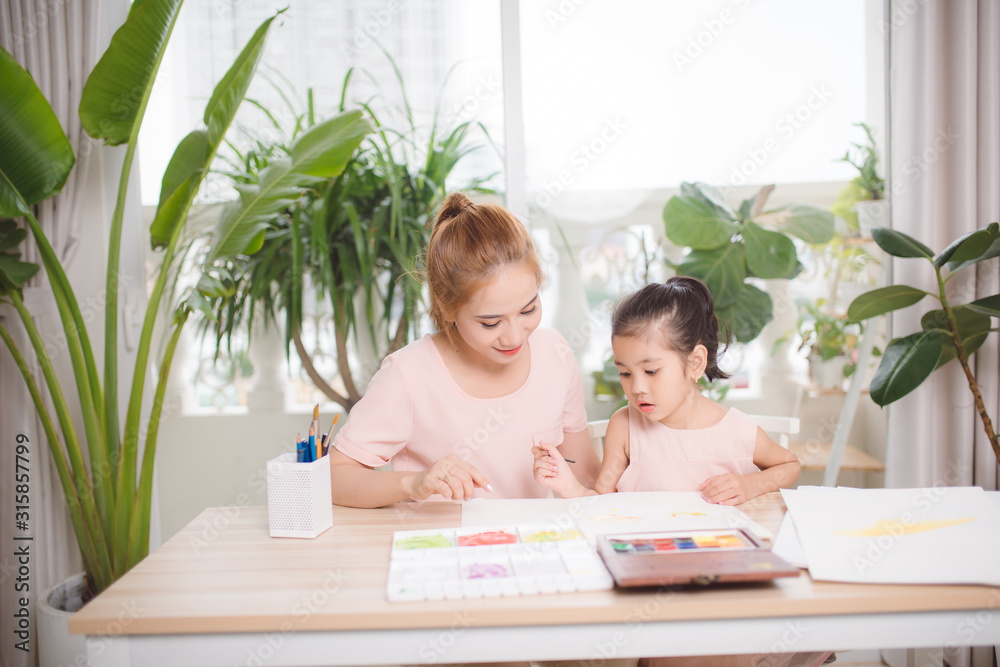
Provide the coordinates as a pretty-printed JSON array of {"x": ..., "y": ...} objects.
[
  {"x": 493, "y": 561},
  {"x": 690, "y": 557}
]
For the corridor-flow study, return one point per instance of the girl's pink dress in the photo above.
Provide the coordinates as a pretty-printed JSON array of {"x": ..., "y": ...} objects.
[
  {"x": 414, "y": 413},
  {"x": 668, "y": 459}
]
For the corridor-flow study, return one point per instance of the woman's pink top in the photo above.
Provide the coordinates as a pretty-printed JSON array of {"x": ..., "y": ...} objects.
[
  {"x": 669, "y": 459},
  {"x": 414, "y": 413}
]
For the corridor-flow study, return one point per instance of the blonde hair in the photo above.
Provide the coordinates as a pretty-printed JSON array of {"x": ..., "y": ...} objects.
[{"x": 469, "y": 244}]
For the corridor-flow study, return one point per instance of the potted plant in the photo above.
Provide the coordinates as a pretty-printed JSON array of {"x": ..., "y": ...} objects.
[
  {"x": 830, "y": 340},
  {"x": 862, "y": 203},
  {"x": 109, "y": 496},
  {"x": 352, "y": 240},
  {"x": 730, "y": 248},
  {"x": 946, "y": 333}
]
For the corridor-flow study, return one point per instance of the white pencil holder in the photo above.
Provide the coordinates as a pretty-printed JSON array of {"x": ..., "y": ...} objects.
[{"x": 299, "y": 503}]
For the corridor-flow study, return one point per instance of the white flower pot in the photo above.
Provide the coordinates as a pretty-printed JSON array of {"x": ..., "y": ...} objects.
[
  {"x": 828, "y": 374},
  {"x": 55, "y": 606}
]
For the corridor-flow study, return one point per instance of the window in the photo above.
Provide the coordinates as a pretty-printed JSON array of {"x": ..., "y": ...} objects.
[
  {"x": 621, "y": 102},
  {"x": 447, "y": 52}
]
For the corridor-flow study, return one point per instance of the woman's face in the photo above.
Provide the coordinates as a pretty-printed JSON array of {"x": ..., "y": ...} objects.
[{"x": 496, "y": 322}]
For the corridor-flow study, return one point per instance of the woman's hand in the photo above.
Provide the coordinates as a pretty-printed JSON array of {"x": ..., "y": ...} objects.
[
  {"x": 452, "y": 477},
  {"x": 552, "y": 471}
]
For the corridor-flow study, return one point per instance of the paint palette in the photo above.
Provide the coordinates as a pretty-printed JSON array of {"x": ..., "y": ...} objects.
[
  {"x": 689, "y": 557},
  {"x": 493, "y": 561}
]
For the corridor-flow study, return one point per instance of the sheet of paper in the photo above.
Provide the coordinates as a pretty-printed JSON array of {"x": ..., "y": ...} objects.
[
  {"x": 947, "y": 535},
  {"x": 787, "y": 545},
  {"x": 614, "y": 513}
]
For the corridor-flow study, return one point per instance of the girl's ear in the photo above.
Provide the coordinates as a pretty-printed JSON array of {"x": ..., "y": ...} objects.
[{"x": 697, "y": 362}]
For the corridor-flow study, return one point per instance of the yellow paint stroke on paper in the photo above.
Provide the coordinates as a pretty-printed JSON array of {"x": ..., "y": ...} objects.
[
  {"x": 614, "y": 516},
  {"x": 896, "y": 527}
]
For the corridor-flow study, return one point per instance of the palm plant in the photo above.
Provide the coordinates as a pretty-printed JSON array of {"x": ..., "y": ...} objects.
[
  {"x": 354, "y": 240},
  {"x": 865, "y": 160},
  {"x": 109, "y": 499}
]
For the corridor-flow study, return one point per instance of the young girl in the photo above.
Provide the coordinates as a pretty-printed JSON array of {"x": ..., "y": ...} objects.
[
  {"x": 458, "y": 411},
  {"x": 670, "y": 437}
]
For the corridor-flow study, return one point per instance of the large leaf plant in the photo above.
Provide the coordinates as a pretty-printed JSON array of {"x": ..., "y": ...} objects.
[
  {"x": 952, "y": 331},
  {"x": 728, "y": 248},
  {"x": 109, "y": 496},
  {"x": 353, "y": 241}
]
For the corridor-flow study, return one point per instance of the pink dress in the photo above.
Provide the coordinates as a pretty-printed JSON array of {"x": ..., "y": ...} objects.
[
  {"x": 668, "y": 459},
  {"x": 414, "y": 413}
]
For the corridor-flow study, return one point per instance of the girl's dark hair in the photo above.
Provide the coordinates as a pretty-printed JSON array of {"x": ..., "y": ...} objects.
[
  {"x": 469, "y": 244},
  {"x": 681, "y": 310}
]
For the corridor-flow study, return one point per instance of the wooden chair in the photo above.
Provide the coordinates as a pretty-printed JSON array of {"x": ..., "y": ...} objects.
[{"x": 777, "y": 427}]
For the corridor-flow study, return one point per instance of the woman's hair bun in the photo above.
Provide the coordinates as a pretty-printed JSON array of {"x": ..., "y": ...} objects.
[{"x": 453, "y": 204}]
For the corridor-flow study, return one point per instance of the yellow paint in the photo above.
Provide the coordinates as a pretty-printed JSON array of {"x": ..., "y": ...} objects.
[
  {"x": 896, "y": 527},
  {"x": 553, "y": 536}
]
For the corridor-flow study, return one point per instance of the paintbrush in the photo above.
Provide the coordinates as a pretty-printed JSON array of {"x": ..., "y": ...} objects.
[{"x": 326, "y": 438}]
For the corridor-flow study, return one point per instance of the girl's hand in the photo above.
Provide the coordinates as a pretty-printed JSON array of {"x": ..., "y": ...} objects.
[
  {"x": 452, "y": 477},
  {"x": 727, "y": 489},
  {"x": 552, "y": 471}
]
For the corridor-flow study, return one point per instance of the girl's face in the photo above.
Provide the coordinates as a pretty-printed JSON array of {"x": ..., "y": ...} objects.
[
  {"x": 496, "y": 322},
  {"x": 658, "y": 381}
]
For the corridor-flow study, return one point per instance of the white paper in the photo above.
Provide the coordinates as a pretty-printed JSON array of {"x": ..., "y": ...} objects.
[
  {"x": 947, "y": 535},
  {"x": 639, "y": 511},
  {"x": 787, "y": 545}
]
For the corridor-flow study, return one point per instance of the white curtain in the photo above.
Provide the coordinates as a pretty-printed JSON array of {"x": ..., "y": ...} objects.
[
  {"x": 58, "y": 43},
  {"x": 945, "y": 181},
  {"x": 944, "y": 169}
]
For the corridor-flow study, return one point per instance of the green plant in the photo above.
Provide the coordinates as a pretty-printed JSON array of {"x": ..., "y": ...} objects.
[
  {"x": 109, "y": 496},
  {"x": 949, "y": 332},
  {"x": 865, "y": 160},
  {"x": 844, "y": 261},
  {"x": 825, "y": 334},
  {"x": 731, "y": 247},
  {"x": 355, "y": 238}
]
